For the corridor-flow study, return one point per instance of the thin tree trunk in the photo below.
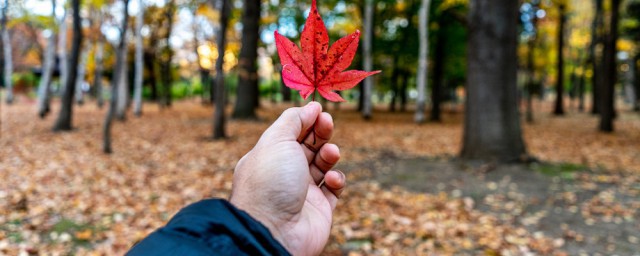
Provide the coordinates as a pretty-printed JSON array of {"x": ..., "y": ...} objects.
[
  {"x": 423, "y": 60},
  {"x": 64, "y": 121},
  {"x": 139, "y": 66},
  {"x": 248, "y": 92},
  {"x": 607, "y": 113},
  {"x": 438, "y": 73},
  {"x": 219, "y": 122},
  {"x": 367, "y": 105},
  {"x": 123, "y": 83},
  {"x": 62, "y": 49},
  {"x": 596, "y": 39},
  {"x": 47, "y": 70},
  {"x": 559, "y": 107},
  {"x": 97, "y": 82},
  {"x": 82, "y": 68},
  {"x": 120, "y": 52},
  {"x": 636, "y": 81},
  {"x": 403, "y": 91},
  {"x": 167, "y": 55},
  {"x": 8, "y": 63},
  {"x": 492, "y": 126}
]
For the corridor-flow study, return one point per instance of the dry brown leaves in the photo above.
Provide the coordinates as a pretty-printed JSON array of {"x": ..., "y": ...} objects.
[{"x": 60, "y": 194}]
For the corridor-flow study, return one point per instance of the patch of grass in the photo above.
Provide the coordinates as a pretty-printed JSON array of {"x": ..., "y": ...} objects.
[{"x": 562, "y": 170}]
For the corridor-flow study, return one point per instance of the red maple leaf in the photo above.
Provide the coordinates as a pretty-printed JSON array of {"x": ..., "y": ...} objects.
[{"x": 318, "y": 67}]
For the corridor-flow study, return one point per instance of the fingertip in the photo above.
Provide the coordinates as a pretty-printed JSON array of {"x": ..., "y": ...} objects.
[{"x": 335, "y": 181}]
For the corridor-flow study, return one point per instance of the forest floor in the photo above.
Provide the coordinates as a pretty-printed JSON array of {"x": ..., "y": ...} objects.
[{"x": 407, "y": 192}]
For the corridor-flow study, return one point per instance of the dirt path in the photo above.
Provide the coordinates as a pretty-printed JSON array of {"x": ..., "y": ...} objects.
[{"x": 585, "y": 212}]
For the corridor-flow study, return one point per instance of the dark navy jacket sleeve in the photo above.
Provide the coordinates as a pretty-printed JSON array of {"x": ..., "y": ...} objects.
[{"x": 210, "y": 227}]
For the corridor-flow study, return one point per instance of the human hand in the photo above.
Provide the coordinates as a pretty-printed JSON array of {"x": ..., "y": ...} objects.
[{"x": 277, "y": 181}]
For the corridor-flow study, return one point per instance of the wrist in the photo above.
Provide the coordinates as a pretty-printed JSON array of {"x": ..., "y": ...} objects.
[{"x": 262, "y": 218}]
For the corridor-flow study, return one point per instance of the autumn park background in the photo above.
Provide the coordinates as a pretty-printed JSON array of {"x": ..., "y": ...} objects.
[{"x": 497, "y": 127}]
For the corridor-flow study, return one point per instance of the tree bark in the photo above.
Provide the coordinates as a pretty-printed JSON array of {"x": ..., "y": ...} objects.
[
  {"x": 123, "y": 82},
  {"x": 139, "y": 63},
  {"x": 492, "y": 126},
  {"x": 559, "y": 107},
  {"x": 82, "y": 69},
  {"x": 64, "y": 121},
  {"x": 8, "y": 63},
  {"x": 403, "y": 91},
  {"x": 367, "y": 105},
  {"x": 47, "y": 70},
  {"x": 395, "y": 74},
  {"x": 62, "y": 50},
  {"x": 219, "y": 120},
  {"x": 120, "y": 52},
  {"x": 596, "y": 39},
  {"x": 167, "y": 55},
  {"x": 438, "y": 73},
  {"x": 248, "y": 92},
  {"x": 607, "y": 113},
  {"x": 423, "y": 62}
]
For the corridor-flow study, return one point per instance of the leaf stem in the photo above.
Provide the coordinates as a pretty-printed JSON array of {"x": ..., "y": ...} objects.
[{"x": 313, "y": 128}]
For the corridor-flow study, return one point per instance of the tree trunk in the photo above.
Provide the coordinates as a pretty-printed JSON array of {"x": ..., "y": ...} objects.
[
  {"x": 607, "y": 113},
  {"x": 636, "y": 81},
  {"x": 248, "y": 92},
  {"x": 219, "y": 123},
  {"x": 581, "y": 86},
  {"x": 120, "y": 60},
  {"x": 423, "y": 62},
  {"x": 63, "y": 123},
  {"x": 149, "y": 63},
  {"x": 438, "y": 73},
  {"x": 62, "y": 50},
  {"x": 367, "y": 105},
  {"x": 403, "y": 91},
  {"x": 8, "y": 63},
  {"x": 139, "y": 66},
  {"x": 47, "y": 71},
  {"x": 82, "y": 69},
  {"x": 559, "y": 107},
  {"x": 123, "y": 82},
  {"x": 167, "y": 56},
  {"x": 596, "y": 39},
  {"x": 97, "y": 76},
  {"x": 492, "y": 126}
]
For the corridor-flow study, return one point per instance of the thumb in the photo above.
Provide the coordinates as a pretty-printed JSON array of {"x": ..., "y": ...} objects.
[{"x": 294, "y": 123}]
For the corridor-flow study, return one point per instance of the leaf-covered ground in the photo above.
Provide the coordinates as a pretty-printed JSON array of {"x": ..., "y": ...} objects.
[{"x": 60, "y": 194}]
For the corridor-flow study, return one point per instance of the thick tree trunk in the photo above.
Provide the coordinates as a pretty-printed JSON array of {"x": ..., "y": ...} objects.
[
  {"x": 492, "y": 126},
  {"x": 82, "y": 69},
  {"x": 248, "y": 92},
  {"x": 596, "y": 60},
  {"x": 139, "y": 64},
  {"x": 559, "y": 107},
  {"x": 438, "y": 73},
  {"x": 167, "y": 56},
  {"x": 120, "y": 61},
  {"x": 367, "y": 105},
  {"x": 64, "y": 121},
  {"x": 8, "y": 63},
  {"x": 219, "y": 120},
  {"x": 47, "y": 71},
  {"x": 423, "y": 62},
  {"x": 607, "y": 113},
  {"x": 97, "y": 77}
]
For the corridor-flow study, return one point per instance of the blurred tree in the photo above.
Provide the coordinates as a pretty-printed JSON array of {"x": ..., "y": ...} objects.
[
  {"x": 166, "y": 53},
  {"x": 139, "y": 61},
  {"x": 248, "y": 93},
  {"x": 121, "y": 76},
  {"x": 607, "y": 108},
  {"x": 559, "y": 106},
  {"x": 492, "y": 126},
  {"x": 367, "y": 105},
  {"x": 6, "y": 46},
  {"x": 62, "y": 47},
  {"x": 596, "y": 56},
  {"x": 63, "y": 123},
  {"x": 631, "y": 31},
  {"x": 219, "y": 122},
  {"x": 120, "y": 61},
  {"x": 82, "y": 70},
  {"x": 423, "y": 61},
  {"x": 98, "y": 58},
  {"x": 47, "y": 69}
]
